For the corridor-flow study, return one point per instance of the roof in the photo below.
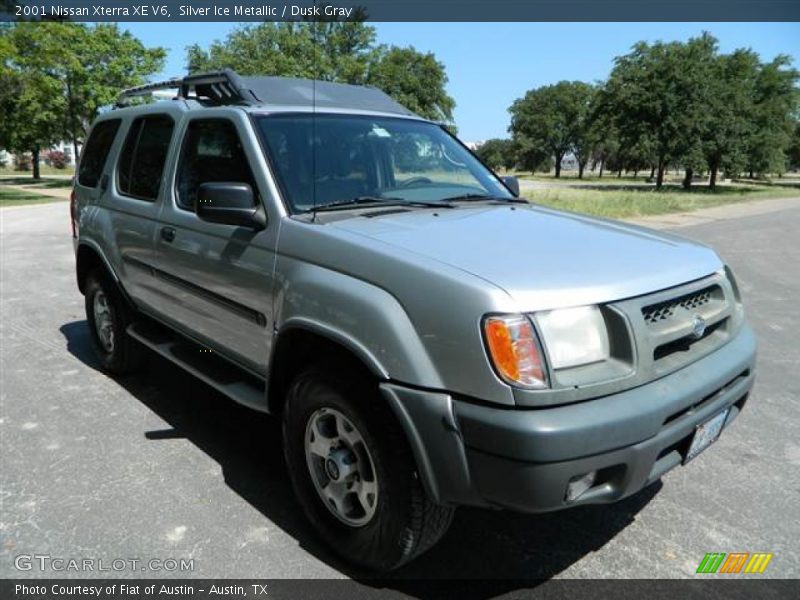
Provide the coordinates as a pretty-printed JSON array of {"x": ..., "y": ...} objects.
[
  {"x": 227, "y": 87},
  {"x": 309, "y": 93}
]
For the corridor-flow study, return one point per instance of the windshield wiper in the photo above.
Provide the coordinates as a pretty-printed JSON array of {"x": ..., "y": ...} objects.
[
  {"x": 484, "y": 197},
  {"x": 383, "y": 200}
]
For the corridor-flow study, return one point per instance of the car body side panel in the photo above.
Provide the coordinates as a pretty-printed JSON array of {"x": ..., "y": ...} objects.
[
  {"x": 362, "y": 317},
  {"x": 217, "y": 279}
]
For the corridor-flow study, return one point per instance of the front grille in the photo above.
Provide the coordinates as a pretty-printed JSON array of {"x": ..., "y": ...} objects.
[
  {"x": 685, "y": 343},
  {"x": 664, "y": 311}
]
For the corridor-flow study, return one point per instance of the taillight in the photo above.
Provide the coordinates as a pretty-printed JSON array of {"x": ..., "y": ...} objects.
[{"x": 73, "y": 215}]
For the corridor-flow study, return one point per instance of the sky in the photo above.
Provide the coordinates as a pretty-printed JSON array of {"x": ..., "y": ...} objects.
[{"x": 489, "y": 65}]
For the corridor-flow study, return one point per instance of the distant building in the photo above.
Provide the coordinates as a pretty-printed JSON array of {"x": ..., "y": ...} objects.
[
  {"x": 569, "y": 163},
  {"x": 474, "y": 145}
]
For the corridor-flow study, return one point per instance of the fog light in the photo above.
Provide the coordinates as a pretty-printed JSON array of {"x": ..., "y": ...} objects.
[{"x": 578, "y": 485}]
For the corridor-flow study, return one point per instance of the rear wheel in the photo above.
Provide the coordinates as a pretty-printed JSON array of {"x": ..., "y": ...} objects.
[
  {"x": 353, "y": 471},
  {"x": 108, "y": 316}
]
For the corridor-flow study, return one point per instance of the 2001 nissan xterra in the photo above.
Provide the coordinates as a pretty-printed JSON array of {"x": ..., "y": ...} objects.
[{"x": 428, "y": 338}]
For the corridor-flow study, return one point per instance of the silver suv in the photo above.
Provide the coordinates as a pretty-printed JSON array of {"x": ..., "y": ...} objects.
[{"x": 318, "y": 252}]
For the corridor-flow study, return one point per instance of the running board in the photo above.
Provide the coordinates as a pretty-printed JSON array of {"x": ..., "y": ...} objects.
[{"x": 203, "y": 363}]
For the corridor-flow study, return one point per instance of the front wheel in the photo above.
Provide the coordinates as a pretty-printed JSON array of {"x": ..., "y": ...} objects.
[{"x": 353, "y": 471}]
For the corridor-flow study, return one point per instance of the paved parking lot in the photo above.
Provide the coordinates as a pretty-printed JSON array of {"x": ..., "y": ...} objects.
[{"x": 160, "y": 466}]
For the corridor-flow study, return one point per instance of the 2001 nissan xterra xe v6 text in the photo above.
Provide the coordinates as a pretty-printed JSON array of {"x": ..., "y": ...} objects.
[{"x": 428, "y": 339}]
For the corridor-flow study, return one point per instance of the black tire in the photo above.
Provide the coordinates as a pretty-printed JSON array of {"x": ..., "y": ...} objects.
[
  {"x": 125, "y": 354},
  {"x": 406, "y": 522}
]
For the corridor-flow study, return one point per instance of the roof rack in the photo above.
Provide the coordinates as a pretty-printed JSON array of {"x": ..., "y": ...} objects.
[
  {"x": 218, "y": 87},
  {"x": 227, "y": 87}
]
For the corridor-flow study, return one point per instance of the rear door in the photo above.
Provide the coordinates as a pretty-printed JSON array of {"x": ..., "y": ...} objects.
[
  {"x": 217, "y": 279},
  {"x": 133, "y": 201},
  {"x": 93, "y": 177}
]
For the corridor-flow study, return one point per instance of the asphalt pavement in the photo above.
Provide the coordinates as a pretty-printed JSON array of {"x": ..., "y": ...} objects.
[{"x": 159, "y": 466}]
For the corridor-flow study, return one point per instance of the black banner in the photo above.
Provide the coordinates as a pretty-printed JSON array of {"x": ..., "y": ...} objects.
[
  {"x": 403, "y": 10},
  {"x": 386, "y": 589}
]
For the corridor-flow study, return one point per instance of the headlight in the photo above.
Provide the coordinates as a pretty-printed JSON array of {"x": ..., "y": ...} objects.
[
  {"x": 514, "y": 350},
  {"x": 574, "y": 336}
]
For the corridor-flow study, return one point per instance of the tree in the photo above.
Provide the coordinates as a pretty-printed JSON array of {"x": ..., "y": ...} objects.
[
  {"x": 341, "y": 51},
  {"x": 31, "y": 108},
  {"x": 497, "y": 153},
  {"x": 730, "y": 118},
  {"x": 584, "y": 135},
  {"x": 793, "y": 152},
  {"x": 85, "y": 66},
  {"x": 414, "y": 79},
  {"x": 661, "y": 92},
  {"x": 554, "y": 118},
  {"x": 30, "y": 104},
  {"x": 327, "y": 51},
  {"x": 775, "y": 104}
]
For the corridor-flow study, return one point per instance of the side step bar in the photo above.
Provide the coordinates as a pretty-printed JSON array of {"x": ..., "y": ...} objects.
[{"x": 210, "y": 368}]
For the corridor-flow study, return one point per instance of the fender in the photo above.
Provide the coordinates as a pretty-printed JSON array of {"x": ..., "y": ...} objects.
[
  {"x": 362, "y": 317},
  {"x": 95, "y": 247}
]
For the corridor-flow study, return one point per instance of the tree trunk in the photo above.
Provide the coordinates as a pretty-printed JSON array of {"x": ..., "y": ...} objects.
[
  {"x": 751, "y": 174},
  {"x": 602, "y": 164},
  {"x": 72, "y": 119},
  {"x": 712, "y": 180},
  {"x": 687, "y": 179},
  {"x": 581, "y": 167},
  {"x": 558, "y": 165},
  {"x": 635, "y": 173},
  {"x": 35, "y": 161},
  {"x": 660, "y": 174},
  {"x": 619, "y": 173},
  {"x": 652, "y": 172}
]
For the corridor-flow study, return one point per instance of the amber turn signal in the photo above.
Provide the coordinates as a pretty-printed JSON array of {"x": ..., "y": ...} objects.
[{"x": 514, "y": 350}]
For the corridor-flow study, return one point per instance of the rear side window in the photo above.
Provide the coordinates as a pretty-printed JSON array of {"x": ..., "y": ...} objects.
[
  {"x": 212, "y": 152},
  {"x": 141, "y": 164},
  {"x": 96, "y": 152}
]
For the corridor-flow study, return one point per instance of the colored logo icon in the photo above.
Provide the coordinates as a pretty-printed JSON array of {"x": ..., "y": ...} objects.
[{"x": 735, "y": 562}]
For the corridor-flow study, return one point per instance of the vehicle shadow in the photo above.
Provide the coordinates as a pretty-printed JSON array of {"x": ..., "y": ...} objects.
[{"x": 484, "y": 554}]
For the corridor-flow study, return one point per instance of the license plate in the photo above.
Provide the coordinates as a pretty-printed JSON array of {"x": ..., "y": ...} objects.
[{"x": 706, "y": 434}]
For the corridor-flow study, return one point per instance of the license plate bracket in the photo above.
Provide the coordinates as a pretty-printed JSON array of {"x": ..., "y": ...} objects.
[{"x": 706, "y": 434}]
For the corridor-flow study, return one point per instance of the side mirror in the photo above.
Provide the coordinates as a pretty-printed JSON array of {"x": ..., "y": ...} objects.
[
  {"x": 229, "y": 204},
  {"x": 512, "y": 183}
]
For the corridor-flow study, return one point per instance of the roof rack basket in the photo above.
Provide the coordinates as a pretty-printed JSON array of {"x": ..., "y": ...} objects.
[
  {"x": 218, "y": 87},
  {"x": 227, "y": 87}
]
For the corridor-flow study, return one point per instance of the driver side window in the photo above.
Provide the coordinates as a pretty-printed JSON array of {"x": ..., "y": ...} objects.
[{"x": 212, "y": 152}]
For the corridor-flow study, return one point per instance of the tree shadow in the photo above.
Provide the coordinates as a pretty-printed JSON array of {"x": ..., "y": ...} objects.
[
  {"x": 42, "y": 182},
  {"x": 484, "y": 554}
]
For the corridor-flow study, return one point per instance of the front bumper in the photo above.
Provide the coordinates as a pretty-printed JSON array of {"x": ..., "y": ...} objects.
[{"x": 479, "y": 455}]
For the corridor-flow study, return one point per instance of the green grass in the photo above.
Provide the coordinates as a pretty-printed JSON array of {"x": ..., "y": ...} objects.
[
  {"x": 14, "y": 197},
  {"x": 625, "y": 203},
  {"x": 44, "y": 170},
  {"x": 571, "y": 177}
]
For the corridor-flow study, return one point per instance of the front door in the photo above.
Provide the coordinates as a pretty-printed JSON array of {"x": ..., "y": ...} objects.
[{"x": 217, "y": 279}]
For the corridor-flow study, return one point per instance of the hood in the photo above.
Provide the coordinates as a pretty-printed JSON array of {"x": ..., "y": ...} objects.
[{"x": 543, "y": 258}]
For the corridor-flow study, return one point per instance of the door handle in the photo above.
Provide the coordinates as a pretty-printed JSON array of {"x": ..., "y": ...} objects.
[{"x": 167, "y": 234}]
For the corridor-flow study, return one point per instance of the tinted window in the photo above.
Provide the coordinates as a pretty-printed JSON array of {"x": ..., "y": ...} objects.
[
  {"x": 211, "y": 152},
  {"x": 322, "y": 159},
  {"x": 96, "y": 151},
  {"x": 141, "y": 164}
]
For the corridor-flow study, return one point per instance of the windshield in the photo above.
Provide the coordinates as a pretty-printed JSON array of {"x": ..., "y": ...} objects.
[{"x": 322, "y": 160}]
